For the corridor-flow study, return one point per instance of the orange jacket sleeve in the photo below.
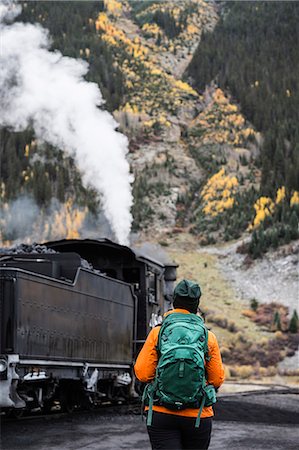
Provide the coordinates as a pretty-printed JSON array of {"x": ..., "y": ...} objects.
[
  {"x": 214, "y": 367},
  {"x": 146, "y": 363}
]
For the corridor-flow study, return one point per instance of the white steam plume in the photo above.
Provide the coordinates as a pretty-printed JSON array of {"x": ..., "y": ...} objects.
[{"x": 47, "y": 91}]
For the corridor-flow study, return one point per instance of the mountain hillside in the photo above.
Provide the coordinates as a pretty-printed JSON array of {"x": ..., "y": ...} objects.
[
  {"x": 252, "y": 53},
  {"x": 196, "y": 152}
]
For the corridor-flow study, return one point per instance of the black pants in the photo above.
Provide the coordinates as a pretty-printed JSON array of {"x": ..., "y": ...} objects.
[{"x": 169, "y": 431}]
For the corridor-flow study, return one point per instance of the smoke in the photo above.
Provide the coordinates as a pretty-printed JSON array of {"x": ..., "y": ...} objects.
[
  {"x": 47, "y": 91},
  {"x": 17, "y": 219},
  {"x": 153, "y": 251},
  {"x": 22, "y": 221}
]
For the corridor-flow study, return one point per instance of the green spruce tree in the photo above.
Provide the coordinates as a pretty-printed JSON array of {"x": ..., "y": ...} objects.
[
  {"x": 293, "y": 326},
  {"x": 294, "y": 225},
  {"x": 277, "y": 321}
]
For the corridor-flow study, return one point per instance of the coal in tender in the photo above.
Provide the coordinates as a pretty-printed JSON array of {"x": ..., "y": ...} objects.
[
  {"x": 35, "y": 249},
  {"x": 27, "y": 249}
]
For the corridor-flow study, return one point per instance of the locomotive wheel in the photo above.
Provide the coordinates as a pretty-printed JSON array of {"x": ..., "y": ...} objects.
[
  {"x": 17, "y": 413},
  {"x": 67, "y": 403},
  {"x": 88, "y": 403},
  {"x": 47, "y": 407}
]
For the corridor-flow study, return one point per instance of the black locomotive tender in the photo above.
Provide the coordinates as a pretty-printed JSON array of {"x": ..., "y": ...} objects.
[{"x": 69, "y": 334}]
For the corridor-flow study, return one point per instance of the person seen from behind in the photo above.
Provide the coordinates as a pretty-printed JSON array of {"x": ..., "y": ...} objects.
[{"x": 181, "y": 362}]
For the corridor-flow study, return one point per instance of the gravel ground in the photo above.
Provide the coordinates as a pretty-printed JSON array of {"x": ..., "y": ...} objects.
[{"x": 245, "y": 421}]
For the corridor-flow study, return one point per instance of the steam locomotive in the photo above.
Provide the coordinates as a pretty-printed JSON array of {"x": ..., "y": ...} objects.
[{"x": 73, "y": 317}]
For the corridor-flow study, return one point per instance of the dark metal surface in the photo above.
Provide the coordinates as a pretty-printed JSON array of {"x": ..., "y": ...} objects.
[
  {"x": 90, "y": 319},
  {"x": 121, "y": 262},
  {"x": 56, "y": 309},
  {"x": 56, "y": 265}
]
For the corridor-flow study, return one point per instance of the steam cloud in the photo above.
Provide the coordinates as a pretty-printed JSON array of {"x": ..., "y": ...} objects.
[
  {"x": 22, "y": 221},
  {"x": 47, "y": 91},
  {"x": 153, "y": 251}
]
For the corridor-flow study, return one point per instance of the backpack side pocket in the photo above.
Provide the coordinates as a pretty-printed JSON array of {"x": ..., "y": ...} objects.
[{"x": 210, "y": 395}]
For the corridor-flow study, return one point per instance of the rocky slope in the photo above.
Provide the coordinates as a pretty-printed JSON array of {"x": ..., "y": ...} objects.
[
  {"x": 172, "y": 129},
  {"x": 273, "y": 278}
]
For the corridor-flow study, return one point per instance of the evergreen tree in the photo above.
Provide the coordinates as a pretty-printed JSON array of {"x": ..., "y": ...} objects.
[
  {"x": 277, "y": 321},
  {"x": 294, "y": 232},
  {"x": 274, "y": 237},
  {"x": 293, "y": 326}
]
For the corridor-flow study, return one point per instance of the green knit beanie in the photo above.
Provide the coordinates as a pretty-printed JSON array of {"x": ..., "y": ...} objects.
[
  {"x": 187, "y": 288},
  {"x": 186, "y": 295}
]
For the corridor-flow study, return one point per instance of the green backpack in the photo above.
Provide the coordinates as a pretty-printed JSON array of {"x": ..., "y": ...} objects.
[{"x": 180, "y": 380}]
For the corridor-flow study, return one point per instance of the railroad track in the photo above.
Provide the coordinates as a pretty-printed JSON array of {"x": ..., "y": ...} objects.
[
  {"x": 133, "y": 407},
  {"x": 262, "y": 389}
]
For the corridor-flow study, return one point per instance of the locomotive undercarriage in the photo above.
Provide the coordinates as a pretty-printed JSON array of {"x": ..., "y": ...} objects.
[{"x": 63, "y": 386}]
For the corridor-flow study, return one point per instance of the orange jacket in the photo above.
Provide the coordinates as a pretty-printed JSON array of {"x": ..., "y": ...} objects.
[{"x": 146, "y": 363}]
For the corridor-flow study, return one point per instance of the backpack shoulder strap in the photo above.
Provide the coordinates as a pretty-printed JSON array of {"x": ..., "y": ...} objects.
[
  {"x": 207, "y": 354},
  {"x": 197, "y": 422},
  {"x": 148, "y": 394},
  {"x": 168, "y": 319}
]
